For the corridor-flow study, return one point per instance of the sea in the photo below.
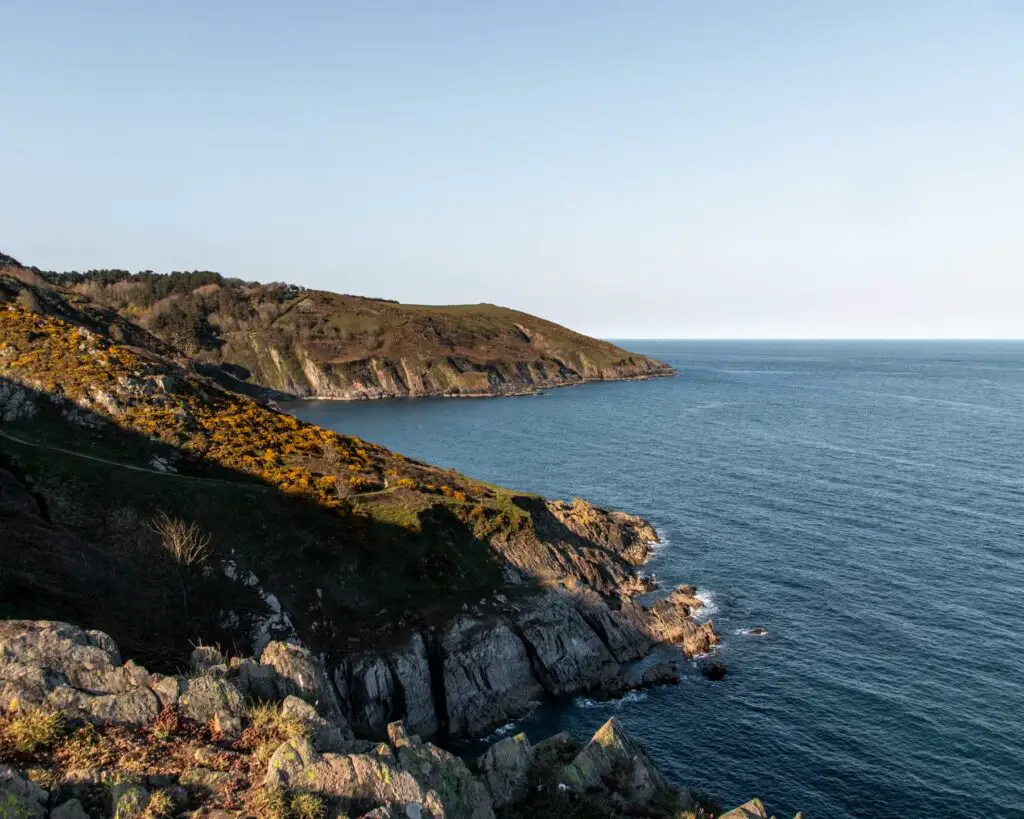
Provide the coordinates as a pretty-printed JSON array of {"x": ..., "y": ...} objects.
[{"x": 861, "y": 501}]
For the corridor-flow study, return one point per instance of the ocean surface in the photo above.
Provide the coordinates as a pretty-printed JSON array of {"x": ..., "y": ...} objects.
[{"x": 863, "y": 501}]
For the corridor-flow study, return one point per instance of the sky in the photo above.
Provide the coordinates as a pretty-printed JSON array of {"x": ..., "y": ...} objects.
[{"x": 630, "y": 168}]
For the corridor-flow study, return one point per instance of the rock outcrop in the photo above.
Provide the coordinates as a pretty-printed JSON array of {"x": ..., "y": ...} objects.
[
  {"x": 614, "y": 761},
  {"x": 213, "y": 751}
]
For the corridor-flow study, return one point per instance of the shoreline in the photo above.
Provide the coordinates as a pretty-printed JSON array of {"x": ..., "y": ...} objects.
[{"x": 523, "y": 393}]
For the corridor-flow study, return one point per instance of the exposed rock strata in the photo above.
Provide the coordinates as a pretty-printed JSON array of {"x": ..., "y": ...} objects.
[{"x": 48, "y": 667}]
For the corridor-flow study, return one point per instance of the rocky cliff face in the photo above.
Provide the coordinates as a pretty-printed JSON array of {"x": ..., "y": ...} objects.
[
  {"x": 85, "y": 736},
  {"x": 305, "y": 373}
]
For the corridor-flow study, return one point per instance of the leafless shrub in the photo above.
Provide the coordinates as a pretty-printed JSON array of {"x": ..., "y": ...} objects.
[{"x": 185, "y": 542}]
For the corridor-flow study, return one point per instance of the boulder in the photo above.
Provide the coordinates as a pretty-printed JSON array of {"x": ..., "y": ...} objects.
[
  {"x": 72, "y": 809},
  {"x": 753, "y": 809},
  {"x": 128, "y": 800},
  {"x": 324, "y": 735},
  {"x": 204, "y": 658},
  {"x": 20, "y": 798},
  {"x": 505, "y": 769},
  {"x": 670, "y": 620},
  {"x": 303, "y": 675},
  {"x": 409, "y": 778},
  {"x": 214, "y": 702},
  {"x": 612, "y": 760},
  {"x": 714, "y": 671},
  {"x": 52, "y": 664}
]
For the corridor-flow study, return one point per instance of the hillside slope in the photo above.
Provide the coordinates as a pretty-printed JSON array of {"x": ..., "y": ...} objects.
[
  {"x": 433, "y": 597},
  {"x": 314, "y": 343}
]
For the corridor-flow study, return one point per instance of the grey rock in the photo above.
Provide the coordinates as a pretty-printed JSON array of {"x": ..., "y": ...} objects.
[
  {"x": 411, "y": 779},
  {"x": 624, "y": 639},
  {"x": 137, "y": 707},
  {"x": 753, "y": 809},
  {"x": 259, "y": 683},
  {"x": 72, "y": 809},
  {"x": 488, "y": 676},
  {"x": 378, "y": 688},
  {"x": 614, "y": 761},
  {"x": 505, "y": 769},
  {"x": 213, "y": 702},
  {"x": 302, "y": 674},
  {"x": 410, "y": 669},
  {"x": 568, "y": 656},
  {"x": 324, "y": 735},
  {"x": 20, "y": 797},
  {"x": 204, "y": 658},
  {"x": 128, "y": 800},
  {"x": 368, "y": 688}
]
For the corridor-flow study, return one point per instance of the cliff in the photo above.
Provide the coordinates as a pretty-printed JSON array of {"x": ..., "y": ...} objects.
[
  {"x": 143, "y": 499},
  {"x": 313, "y": 343},
  {"x": 83, "y": 734}
]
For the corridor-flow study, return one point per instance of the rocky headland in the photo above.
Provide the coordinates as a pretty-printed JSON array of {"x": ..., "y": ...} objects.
[
  {"x": 311, "y": 343},
  {"x": 159, "y": 507}
]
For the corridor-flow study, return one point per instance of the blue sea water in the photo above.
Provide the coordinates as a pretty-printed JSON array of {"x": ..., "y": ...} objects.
[{"x": 863, "y": 501}]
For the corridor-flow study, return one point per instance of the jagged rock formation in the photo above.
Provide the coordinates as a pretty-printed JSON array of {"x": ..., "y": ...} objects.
[
  {"x": 75, "y": 744},
  {"x": 314, "y": 343}
]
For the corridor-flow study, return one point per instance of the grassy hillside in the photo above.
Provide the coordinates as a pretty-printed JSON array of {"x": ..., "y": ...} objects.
[
  {"x": 356, "y": 542},
  {"x": 308, "y": 342}
]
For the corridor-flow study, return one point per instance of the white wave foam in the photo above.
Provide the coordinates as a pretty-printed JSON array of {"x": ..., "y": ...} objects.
[
  {"x": 501, "y": 732},
  {"x": 709, "y": 607},
  {"x": 616, "y": 705},
  {"x": 663, "y": 541},
  {"x": 751, "y": 632}
]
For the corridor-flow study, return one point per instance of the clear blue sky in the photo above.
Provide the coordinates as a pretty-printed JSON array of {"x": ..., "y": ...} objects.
[{"x": 741, "y": 169}]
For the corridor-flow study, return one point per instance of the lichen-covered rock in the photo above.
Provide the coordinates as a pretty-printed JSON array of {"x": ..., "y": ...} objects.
[
  {"x": 753, "y": 809},
  {"x": 302, "y": 674},
  {"x": 20, "y": 798},
  {"x": 213, "y": 702},
  {"x": 410, "y": 778},
  {"x": 128, "y": 800},
  {"x": 324, "y": 735},
  {"x": 136, "y": 707},
  {"x": 52, "y": 664},
  {"x": 505, "y": 769},
  {"x": 614, "y": 761}
]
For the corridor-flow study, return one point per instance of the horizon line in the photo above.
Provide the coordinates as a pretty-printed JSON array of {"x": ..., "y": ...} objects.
[{"x": 812, "y": 338}]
